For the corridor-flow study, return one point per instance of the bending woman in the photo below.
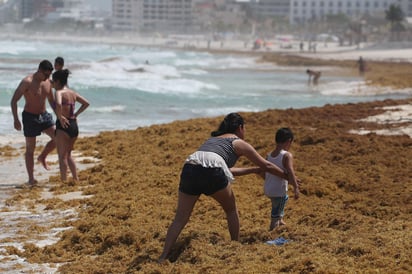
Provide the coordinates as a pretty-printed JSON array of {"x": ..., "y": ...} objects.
[
  {"x": 66, "y": 124},
  {"x": 210, "y": 170}
]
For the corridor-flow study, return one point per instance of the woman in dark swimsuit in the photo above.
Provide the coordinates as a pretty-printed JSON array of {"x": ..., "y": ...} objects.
[{"x": 66, "y": 123}]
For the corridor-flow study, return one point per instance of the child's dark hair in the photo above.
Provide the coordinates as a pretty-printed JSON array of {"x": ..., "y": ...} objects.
[
  {"x": 283, "y": 134},
  {"x": 61, "y": 76},
  {"x": 46, "y": 65},
  {"x": 230, "y": 124},
  {"x": 59, "y": 60}
]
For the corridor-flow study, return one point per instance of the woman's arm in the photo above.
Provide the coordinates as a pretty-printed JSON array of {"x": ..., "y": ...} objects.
[
  {"x": 240, "y": 171},
  {"x": 243, "y": 148},
  {"x": 84, "y": 104}
]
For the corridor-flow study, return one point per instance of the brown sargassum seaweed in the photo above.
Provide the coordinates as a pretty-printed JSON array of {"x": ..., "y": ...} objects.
[{"x": 354, "y": 214}]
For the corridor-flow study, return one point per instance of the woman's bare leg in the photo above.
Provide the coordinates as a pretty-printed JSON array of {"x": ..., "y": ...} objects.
[
  {"x": 62, "y": 140},
  {"x": 226, "y": 199},
  {"x": 70, "y": 160},
  {"x": 185, "y": 206}
]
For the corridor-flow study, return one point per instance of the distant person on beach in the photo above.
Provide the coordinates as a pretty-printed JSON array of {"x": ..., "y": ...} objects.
[
  {"x": 210, "y": 171},
  {"x": 58, "y": 63},
  {"x": 35, "y": 88},
  {"x": 314, "y": 47},
  {"x": 361, "y": 66},
  {"x": 313, "y": 76},
  {"x": 66, "y": 124},
  {"x": 275, "y": 187}
]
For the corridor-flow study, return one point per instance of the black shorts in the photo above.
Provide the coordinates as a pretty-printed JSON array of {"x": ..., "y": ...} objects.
[
  {"x": 196, "y": 180},
  {"x": 72, "y": 130},
  {"x": 34, "y": 124}
]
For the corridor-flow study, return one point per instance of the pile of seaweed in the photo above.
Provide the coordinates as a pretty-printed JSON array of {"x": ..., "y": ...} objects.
[{"x": 354, "y": 214}]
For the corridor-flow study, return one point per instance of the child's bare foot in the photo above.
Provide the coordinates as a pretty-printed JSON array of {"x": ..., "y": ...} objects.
[
  {"x": 281, "y": 222},
  {"x": 273, "y": 224},
  {"x": 42, "y": 160}
]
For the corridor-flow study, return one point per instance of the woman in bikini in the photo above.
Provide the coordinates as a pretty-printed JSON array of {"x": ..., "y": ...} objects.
[{"x": 66, "y": 123}]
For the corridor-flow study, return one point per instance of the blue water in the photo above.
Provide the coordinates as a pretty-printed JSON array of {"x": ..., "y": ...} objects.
[{"x": 175, "y": 85}]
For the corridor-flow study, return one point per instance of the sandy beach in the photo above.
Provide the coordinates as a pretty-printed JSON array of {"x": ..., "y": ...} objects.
[{"x": 354, "y": 214}]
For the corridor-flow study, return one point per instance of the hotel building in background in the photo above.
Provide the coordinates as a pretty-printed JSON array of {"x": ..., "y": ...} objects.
[
  {"x": 192, "y": 16},
  {"x": 152, "y": 15}
]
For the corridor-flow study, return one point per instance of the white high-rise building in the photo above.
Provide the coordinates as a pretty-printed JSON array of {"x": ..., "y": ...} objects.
[
  {"x": 408, "y": 8},
  {"x": 151, "y": 15},
  {"x": 305, "y": 10},
  {"x": 271, "y": 8}
]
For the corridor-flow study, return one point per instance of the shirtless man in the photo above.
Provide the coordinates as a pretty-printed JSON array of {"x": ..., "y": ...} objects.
[
  {"x": 315, "y": 75},
  {"x": 35, "y": 88}
]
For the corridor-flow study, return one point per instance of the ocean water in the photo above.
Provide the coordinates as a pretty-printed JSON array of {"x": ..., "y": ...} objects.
[{"x": 175, "y": 85}]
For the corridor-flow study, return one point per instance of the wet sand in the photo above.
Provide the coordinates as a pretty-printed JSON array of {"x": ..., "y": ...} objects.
[{"x": 354, "y": 214}]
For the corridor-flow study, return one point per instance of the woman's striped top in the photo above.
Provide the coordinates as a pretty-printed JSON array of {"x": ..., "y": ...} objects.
[{"x": 223, "y": 147}]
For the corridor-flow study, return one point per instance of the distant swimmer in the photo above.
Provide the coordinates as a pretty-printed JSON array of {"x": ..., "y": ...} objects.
[
  {"x": 314, "y": 76},
  {"x": 111, "y": 59},
  {"x": 361, "y": 66},
  {"x": 58, "y": 63},
  {"x": 136, "y": 70}
]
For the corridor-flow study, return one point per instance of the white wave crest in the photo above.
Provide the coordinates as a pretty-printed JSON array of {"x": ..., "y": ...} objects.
[
  {"x": 357, "y": 88},
  {"x": 5, "y": 109},
  {"x": 108, "y": 109}
]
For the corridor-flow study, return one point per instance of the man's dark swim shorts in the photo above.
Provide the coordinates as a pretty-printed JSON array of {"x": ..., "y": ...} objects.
[
  {"x": 34, "y": 124},
  {"x": 196, "y": 180}
]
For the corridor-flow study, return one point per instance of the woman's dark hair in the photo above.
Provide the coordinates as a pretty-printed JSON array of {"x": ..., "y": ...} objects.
[
  {"x": 61, "y": 76},
  {"x": 283, "y": 135},
  {"x": 230, "y": 124}
]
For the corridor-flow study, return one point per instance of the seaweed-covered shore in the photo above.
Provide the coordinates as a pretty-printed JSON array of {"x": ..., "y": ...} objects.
[{"x": 354, "y": 214}]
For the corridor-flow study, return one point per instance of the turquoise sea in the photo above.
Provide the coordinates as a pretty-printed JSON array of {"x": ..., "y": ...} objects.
[{"x": 126, "y": 93}]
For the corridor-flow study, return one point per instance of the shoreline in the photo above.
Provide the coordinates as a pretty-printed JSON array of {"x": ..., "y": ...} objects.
[{"x": 331, "y": 51}]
